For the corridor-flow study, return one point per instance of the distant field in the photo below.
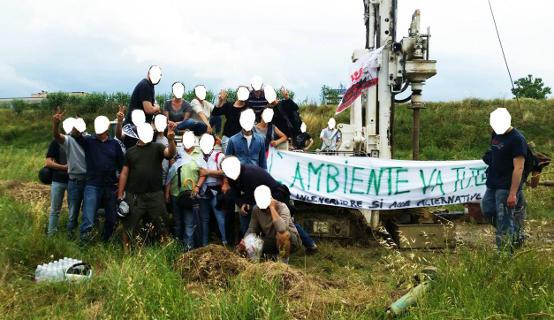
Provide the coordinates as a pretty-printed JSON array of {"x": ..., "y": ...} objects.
[{"x": 340, "y": 282}]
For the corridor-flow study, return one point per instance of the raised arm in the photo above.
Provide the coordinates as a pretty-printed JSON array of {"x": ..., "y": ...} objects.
[
  {"x": 56, "y": 119},
  {"x": 171, "y": 149},
  {"x": 118, "y": 126}
]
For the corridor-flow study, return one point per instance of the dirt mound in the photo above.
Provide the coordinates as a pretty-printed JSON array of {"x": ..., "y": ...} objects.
[
  {"x": 213, "y": 265},
  {"x": 28, "y": 192},
  {"x": 290, "y": 280}
]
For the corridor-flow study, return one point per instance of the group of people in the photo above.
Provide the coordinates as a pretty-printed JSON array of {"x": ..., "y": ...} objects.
[
  {"x": 137, "y": 175},
  {"x": 140, "y": 173}
]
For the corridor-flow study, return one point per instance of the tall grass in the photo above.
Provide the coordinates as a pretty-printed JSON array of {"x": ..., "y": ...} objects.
[{"x": 472, "y": 283}]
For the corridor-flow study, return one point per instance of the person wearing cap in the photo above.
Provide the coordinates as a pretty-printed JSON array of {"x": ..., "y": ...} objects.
[
  {"x": 144, "y": 95},
  {"x": 256, "y": 99},
  {"x": 184, "y": 179},
  {"x": 331, "y": 137},
  {"x": 241, "y": 180},
  {"x": 272, "y": 219},
  {"x": 202, "y": 109},
  {"x": 248, "y": 145},
  {"x": 76, "y": 165},
  {"x": 503, "y": 203},
  {"x": 141, "y": 178},
  {"x": 104, "y": 158},
  {"x": 231, "y": 111},
  {"x": 180, "y": 112}
]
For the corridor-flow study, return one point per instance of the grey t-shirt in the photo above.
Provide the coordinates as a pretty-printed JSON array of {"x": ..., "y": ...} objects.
[
  {"x": 177, "y": 115},
  {"x": 76, "y": 163}
]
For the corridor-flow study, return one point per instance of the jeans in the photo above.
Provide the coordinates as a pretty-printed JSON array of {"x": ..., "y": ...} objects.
[
  {"x": 75, "y": 193},
  {"x": 94, "y": 198},
  {"x": 197, "y": 127},
  {"x": 206, "y": 206},
  {"x": 186, "y": 221},
  {"x": 509, "y": 222},
  {"x": 57, "y": 191},
  {"x": 215, "y": 122},
  {"x": 307, "y": 241}
]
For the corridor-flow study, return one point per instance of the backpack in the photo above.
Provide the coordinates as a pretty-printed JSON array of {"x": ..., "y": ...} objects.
[
  {"x": 185, "y": 199},
  {"x": 534, "y": 162}
]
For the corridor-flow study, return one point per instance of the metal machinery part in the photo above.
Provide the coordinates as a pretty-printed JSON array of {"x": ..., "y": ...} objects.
[{"x": 370, "y": 131}]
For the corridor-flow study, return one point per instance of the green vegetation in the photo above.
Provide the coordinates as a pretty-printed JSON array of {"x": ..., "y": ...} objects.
[
  {"x": 474, "y": 282},
  {"x": 530, "y": 88}
]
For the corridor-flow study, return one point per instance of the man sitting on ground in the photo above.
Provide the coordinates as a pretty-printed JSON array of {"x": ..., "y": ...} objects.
[{"x": 272, "y": 219}]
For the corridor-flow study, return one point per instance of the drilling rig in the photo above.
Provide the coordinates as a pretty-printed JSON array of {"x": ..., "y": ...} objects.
[{"x": 403, "y": 65}]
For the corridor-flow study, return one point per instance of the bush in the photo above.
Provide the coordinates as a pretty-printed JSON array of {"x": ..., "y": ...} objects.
[{"x": 18, "y": 106}]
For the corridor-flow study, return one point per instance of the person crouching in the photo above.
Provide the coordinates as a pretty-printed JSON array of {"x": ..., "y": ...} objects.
[{"x": 272, "y": 219}]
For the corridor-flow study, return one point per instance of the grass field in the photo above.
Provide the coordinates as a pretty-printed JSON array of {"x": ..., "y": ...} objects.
[{"x": 340, "y": 282}]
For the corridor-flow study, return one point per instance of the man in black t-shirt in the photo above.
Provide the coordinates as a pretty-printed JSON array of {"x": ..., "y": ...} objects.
[
  {"x": 56, "y": 160},
  {"x": 142, "y": 177},
  {"x": 503, "y": 203},
  {"x": 144, "y": 95}
]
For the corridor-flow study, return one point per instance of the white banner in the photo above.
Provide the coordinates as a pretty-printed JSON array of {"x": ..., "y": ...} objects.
[{"x": 371, "y": 183}]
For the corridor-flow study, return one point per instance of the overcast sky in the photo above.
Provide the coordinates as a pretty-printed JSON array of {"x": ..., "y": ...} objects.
[{"x": 108, "y": 45}]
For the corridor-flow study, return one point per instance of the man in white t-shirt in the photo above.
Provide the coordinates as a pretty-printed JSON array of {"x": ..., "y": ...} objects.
[{"x": 202, "y": 108}]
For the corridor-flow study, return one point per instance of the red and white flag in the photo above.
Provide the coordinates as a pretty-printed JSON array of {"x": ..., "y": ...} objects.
[{"x": 363, "y": 74}]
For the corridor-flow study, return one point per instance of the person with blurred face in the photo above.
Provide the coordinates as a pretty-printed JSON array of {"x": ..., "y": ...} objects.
[
  {"x": 202, "y": 109},
  {"x": 160, "y": 125},
  {"x": 141, "y": 179},
  {"x": 76, "y": 166},
  {"x": 104, "y": 158},
  {"x": 256, "y": 99},
  {"x": 503, "y": 203},
  {"x": 241, "y": 180},
  {"x": 330, "y": 137},
  {"x": 183, "y": 185},
  {"x": 247, "y": 145},
  {"x": 180, "y": 112},
  {"x": 273, "y": 136},
  {"x": 287, "y": 115},
  {"x": 211, "y": 189},
  {"x": 303, "y": 141},
  {"x": 272, "y": 220},
  {"x": 231, "y": 111},
  {"x": 144, "y": 96}
]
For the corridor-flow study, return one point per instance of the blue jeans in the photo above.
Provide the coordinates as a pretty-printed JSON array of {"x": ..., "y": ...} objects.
[
  {"x": 215, "y": 122},
  {"x": 75, "y": 193},
  {"x": 57, "y": 190},
  {"x": 186, "y": 221},
  {"x": 206, "y": 206},
  {"x": 94, "y": 198},
  {"x": 307, "y": 241},
  {"x": 509, "y": 222},
  {"x": 197, "y": 127}
]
